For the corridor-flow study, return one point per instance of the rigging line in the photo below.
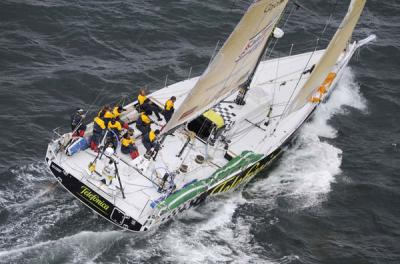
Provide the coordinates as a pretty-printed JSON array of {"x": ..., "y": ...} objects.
[
  {"x": 138, "y": 171},
  {"x": 321, "y": 35},
  {"x": 276, "y": 83},
  {"x": 330, "y": 17},
  {"x": 249, "y": 77},
  {"x": 297, "y": 5},
  {"x": 251, "y": 126},
  {"x": 239, "y": 136},
  {"x": 290, "y": 14},
  {"x": 89, "y": 107},
  {"x": 295, "y": 88},
  {"x": 139, "y": 190},
  {"x": 234, "y": 3},
  {"x": 300, "y": 51},
  {"x": 277, "y": 40},
  {"x": 269, "y": 43},
  {"x": 280, "y": 77},
  {"x": 137, "y": 185},
  {"x": 284, "y": 24},
  {"x": 241, "y": 132}
]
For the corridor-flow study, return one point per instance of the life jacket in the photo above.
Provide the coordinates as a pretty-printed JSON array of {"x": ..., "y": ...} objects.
[
  {"x": 127, "y": 141},
  {"x": 100, "y": 122},
  {"x": 145, "y": 119},
  {"x": 108, "y": 115},
  {"x": 116, "y": 125},
  {"x": 141, "y": 99},
  {"x": 152, "y": 136},
  {"x": 169, "y": 105},
  {"x": 115, "y": 112},
  {"x": 105, "y": 114}
]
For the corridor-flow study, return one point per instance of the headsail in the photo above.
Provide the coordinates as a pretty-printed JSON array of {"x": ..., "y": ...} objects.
[
  {"x": 234, "y": 63},
  {"x": 330, "y": 57}
]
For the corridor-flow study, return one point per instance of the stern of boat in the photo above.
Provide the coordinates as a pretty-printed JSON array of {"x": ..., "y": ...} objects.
[{"x": 88, "y": 195}]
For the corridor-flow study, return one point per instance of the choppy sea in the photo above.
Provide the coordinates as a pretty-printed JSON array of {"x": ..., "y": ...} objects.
[{"x": 334, "y": 196}]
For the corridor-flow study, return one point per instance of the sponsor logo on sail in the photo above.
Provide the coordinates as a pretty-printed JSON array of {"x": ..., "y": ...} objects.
[
  {"x": 255, "y": 41},
  {"x": 187, "y": 113}
]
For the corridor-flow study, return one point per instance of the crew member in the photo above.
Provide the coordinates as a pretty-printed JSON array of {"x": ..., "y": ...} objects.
[
  {"x": 114, "y": 133},
  {"x": 143, "y": 123},
  {"x": 169, "y": 108},
  {"x": 106, "y": 114},
  {"x": 128, "y": 145},
  {"x": 102, "y": 111},
  {"x": 146, "y": 105},
  {"x": 117, "y": 111},
  {"x": 150, "y": 140},
  {"x": 99, "y": 128},
  {"x": 77, "y": 122},
  {"x": 142, "y": 98},
  {"x": 108, "y": 173},
  {"x": 115, "y": 126}
]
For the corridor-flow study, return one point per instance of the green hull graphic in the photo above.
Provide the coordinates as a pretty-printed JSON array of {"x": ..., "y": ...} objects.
[{"x": 182, "y": 196}]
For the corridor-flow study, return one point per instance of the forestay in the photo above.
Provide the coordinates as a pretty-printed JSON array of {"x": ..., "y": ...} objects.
[
  {"x": 330, "y": 57},
  {"x": 234, "y": 63}
]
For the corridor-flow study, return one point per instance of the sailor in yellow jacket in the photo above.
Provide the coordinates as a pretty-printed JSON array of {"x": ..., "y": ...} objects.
[
  {"x": 143, "y": 122},
  {"x": 99, "y": 128},
  {"x": 106, "y": 114},
  {"x": 117, "y": 111},
  {"x": 128, "y": 145},
  {"x": 115, "y": 129},
  {"x": 149, "y": 140},
  {"x": 115, "y": 126},
  {"x": 169, "y": 108},
  {"x": 146, "y": 105}
]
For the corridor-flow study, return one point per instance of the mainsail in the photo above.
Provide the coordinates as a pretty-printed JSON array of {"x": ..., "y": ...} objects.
[
  {"x": 234, "y": 63},
  {"x": 330, "y": 57}
]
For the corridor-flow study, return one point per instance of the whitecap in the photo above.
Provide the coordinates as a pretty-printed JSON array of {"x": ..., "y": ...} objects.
[{"x": 308, "y": 168}]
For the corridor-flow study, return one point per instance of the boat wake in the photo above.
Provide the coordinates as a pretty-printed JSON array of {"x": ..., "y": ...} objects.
[
  {"x": 304, "y": 175},
  {"x": 302, "y": 178},
  {"x": 45, "y": 223}
]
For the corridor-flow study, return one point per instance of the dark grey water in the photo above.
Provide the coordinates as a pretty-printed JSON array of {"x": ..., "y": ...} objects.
[{"x": 334, "y": 197}]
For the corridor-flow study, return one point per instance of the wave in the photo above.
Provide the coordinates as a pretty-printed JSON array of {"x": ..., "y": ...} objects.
[
  {"x": 306, "y": 171},
  {"x": 219, "y": 231},
  {"x": 83, "y": 246}
]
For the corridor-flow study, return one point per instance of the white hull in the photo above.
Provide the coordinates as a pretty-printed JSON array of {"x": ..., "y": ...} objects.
[{"x": 255, "y": 139}]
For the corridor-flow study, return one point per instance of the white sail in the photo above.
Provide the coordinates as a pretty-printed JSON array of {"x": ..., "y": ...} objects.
[
  {"x": 234, "y": 63},
  {"x": 335, "y": 48}
]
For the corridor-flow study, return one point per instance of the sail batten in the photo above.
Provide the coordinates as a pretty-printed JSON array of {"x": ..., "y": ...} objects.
[
  {"x": 330, "y": 57},
  {"x": 234, "y": 63}
]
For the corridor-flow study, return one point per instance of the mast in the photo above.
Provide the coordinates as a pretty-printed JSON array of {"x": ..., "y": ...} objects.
[
  {"x": 244, "y": 88},
  {"x": 235, "y": 62}
]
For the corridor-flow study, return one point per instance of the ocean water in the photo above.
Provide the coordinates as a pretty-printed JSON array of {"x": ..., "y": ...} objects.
[{"x": 333, "y": 197}]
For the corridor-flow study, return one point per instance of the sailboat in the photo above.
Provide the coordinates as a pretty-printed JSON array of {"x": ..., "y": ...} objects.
[{"x": 230, "y": 123}]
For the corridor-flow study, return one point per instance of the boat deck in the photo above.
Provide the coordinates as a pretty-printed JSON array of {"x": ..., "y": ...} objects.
[{"x": 250, "y": 129}]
